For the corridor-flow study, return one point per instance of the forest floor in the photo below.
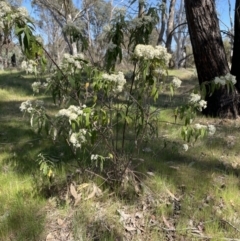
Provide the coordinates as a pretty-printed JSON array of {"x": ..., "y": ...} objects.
[{"x": 169, "y": 194}]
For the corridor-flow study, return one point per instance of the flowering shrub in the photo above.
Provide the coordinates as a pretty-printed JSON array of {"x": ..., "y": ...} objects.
[
  {"x": 104, "y": 108},
  {"x": 197, "y": 102},
  {"x": 188, "y": 112},
  {"x": 9, "y": 16},
  {"x": 227, "y": 79},
  {"x": 83, "y": 125},
  {"x": 218, "y": 82},
  {"x": 30, "y": 66},
  {"x": 148, "y": 52},
  {"x": 111, "y": 83}
]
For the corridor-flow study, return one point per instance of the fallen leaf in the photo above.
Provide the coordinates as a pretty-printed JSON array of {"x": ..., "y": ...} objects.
[
  {"x": 150, "y": 173},
  {"x": 92, "y": 194},
  {"x": 73, "y": 191},
  {"x": 169, "y": 226},
  {"x": 78, "y": 199},
  {"x": 60, "y": 221},
  {"x": 50, "y": 237}
]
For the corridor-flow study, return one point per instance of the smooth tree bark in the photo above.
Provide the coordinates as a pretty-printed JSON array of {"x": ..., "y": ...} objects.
[
  {"x": 170, "y": 26},
  {"x": 209, "y": 55},
  {"x": 235, "y": 69},
  {"x": 180, "y": 36},
  {"x": 160, "y": 39}
]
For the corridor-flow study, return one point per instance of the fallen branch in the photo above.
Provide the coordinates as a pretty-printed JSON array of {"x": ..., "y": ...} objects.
[{"x": 225, "y": 221}]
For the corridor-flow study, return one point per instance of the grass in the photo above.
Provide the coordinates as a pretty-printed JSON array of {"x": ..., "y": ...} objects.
[{"x": 169, "y": 195}]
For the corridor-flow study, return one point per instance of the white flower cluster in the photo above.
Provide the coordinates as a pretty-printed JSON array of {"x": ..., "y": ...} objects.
[
  {"x": 73, "y": 60},
  {"x": 23, "y": 11},
  {"x": 161, "y": 72},
  {"x": 4, "y": 9},
  {"x": 94, "y": 157},
  {"x": 78, "y": 138},
  {"x": 72, "y": 112},
  {"x": 223, "y": 80},
  {"x": 9, "y": 14},
  {"x": 29, "y": 66},
  {"x": 118, "y": 80},
  {"x": 28, "y": 106},
  {"x": 36, "y": 86},
  {"x": 196, "y": 100},
  {"x": 176, "y": 82},
  {"x": 150, "y": 52},
  {"x": 185, "y": 147},
  {"x": 20, "y": 12},
  {"x": 211, "y": 129}
]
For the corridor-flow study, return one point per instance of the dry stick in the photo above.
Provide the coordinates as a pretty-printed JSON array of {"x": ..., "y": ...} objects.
[{"x": 225, "y": 221}]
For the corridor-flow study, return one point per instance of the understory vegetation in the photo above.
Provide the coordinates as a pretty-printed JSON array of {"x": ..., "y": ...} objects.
[{"x": 151, "y": 190}]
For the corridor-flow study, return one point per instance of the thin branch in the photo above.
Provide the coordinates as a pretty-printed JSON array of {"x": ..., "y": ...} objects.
[{"x": 179, "y": 25}]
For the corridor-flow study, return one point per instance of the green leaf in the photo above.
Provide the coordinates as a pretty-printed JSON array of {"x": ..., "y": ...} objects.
[
  {"x": 72, "y": 81},
  {"x": 171, "y": 90},
  {"x": 128, "y": 119},
  {"x": 87, "y": 117}
]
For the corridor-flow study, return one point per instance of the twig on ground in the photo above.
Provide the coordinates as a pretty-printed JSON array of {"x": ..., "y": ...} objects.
[{"x": 225, "y": 221}]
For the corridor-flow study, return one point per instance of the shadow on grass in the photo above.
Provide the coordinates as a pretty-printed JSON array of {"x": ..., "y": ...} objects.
[
  {"x": 20, "y": 141},
  {"x": 17, "y": 82},
  {"x": 24, "y": 220},
  {"x": 24, "y": 145}
]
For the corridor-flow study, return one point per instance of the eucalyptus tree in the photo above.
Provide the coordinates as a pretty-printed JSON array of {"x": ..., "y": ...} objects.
[
  {"x": 210, "y": 57},
  {"x": 66, "y": 14},
  {"x": 170, "y": 25},
  {"x": 52, "y": 32},
  {"x": 163, "y": 17},
  {"x": 180, "y": 35},
  {"x": 96, "y": 20},
  {"x": 167, "y": 16}
]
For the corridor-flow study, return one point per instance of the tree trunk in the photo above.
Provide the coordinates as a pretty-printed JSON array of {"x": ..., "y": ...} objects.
[
  {"x": 170, "y": 25},
  {"x": 235, "y": 69},
  {"x": 140, "y": 8},
  {"x": 209, "y": 54},
  {"x": 163, "y": 23},
  {"x": 179, "y": 36}
]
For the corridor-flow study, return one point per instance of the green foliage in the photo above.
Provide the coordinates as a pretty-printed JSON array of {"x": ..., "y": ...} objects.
[
  {"x": 30, "y": 46},
  {"x": 116, "y": 37},
  {"x": 76, "y": 35},
  {"x": 46, "y": 166},
  {"x": 140, "y": 33}
]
